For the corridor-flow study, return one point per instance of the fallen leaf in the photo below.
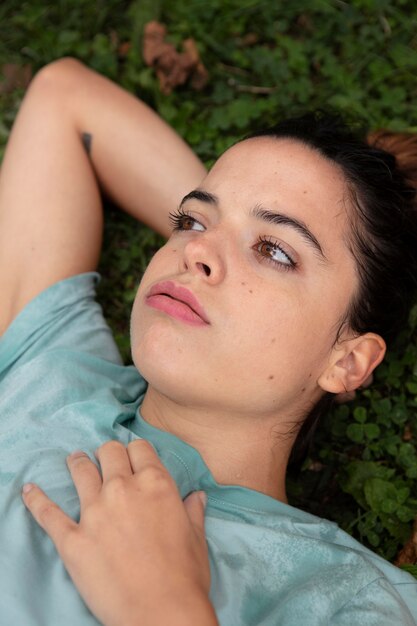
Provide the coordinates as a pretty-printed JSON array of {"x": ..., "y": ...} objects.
[
  {"x": 15, "y": 77},
  {"x": 408, "y": 433},
  {"x": 172, "y": 68},
  {"x": 250, "y": 39},
  {"x": 408, "y": 555},
  {"x": 124, "y": 48},
  {"x": 200, "y": 75},
  {"x": 154, "y": 45}
]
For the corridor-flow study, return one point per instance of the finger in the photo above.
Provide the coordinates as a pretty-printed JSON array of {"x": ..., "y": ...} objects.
[
  {"x": 195, "y": 506},
  {"x": 86, "y": 477},
  {"x": 114, "y": 460},
  {"x": 48, "y": 515},
  {"x": 142, "y": 454}
]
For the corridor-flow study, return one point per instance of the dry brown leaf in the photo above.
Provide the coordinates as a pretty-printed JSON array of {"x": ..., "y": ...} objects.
[
  {"x": 408, "y": 433},
  {"x": 250, "y": 39},
  {"x": 15, "y": 77},
  {"x": 199, "y": 76},
  {"x": 172, "y": 68},
  {"x": 408, "y": 555},
  {"x": 154, "y": 44},
  {"x": 123, "y": 49},
  {"x": 114, "y": 39}
]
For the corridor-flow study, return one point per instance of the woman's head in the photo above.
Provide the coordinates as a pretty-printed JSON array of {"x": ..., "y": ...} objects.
[
  {"x": 292, "y": 305},
  {"x": 264, "y": 247}
]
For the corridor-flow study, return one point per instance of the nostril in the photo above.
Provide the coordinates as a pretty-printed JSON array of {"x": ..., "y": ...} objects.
[{"x": 205, "y": 268}]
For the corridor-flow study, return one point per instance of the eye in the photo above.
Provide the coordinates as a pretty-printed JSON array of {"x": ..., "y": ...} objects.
[
  {"x": 181, "y": 220},
  {"x": 272, "y": 252}
]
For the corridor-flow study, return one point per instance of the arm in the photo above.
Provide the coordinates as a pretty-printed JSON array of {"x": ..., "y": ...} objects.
[
  {"x": 138, "y": 554},
  {"x": 50, "y": 206}
]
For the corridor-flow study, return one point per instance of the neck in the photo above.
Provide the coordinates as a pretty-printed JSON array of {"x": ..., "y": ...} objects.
[{"x": 238, "y": 449}]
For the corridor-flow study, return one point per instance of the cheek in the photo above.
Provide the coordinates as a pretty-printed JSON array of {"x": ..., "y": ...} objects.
[
  {"x": 157, "y": 269},
  {"x": 164, "y": 261},
  {"x": 280, "y": 335}
]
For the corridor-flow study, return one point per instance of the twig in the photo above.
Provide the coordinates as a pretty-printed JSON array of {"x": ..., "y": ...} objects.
[
  {"x": 254, "y": 89},
  {"x": 233, "y": 69}
]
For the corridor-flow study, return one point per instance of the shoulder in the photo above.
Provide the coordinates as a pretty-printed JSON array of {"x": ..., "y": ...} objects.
[{"x": 63, "y": 316}]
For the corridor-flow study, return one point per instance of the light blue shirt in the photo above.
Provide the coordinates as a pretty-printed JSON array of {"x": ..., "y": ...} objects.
[{"x": 63, "y": 387}]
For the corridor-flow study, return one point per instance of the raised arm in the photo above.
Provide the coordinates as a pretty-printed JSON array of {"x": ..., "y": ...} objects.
[{"x": 50, "y": 205}]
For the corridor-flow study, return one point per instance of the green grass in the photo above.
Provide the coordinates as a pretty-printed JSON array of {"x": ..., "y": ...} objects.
[{"x": 359, "y": 57}]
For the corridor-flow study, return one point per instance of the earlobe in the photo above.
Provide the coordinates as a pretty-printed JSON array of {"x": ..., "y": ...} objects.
[{"x": 353, "y": 362}]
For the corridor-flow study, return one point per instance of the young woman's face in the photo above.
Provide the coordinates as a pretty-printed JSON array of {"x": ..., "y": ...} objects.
[{"x": 262, "y": 248}]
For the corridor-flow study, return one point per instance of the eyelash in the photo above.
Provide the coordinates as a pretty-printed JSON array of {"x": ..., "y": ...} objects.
[
  {"x": 292, "y": 265},
  {"x": 177, "y": 218}
]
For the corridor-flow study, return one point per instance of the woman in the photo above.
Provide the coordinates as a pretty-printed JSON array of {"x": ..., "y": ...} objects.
[{"x": 263, "y": 301}]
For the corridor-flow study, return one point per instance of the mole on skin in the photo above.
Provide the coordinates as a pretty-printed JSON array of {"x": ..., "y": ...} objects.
[{"x": 270, "y": 377}]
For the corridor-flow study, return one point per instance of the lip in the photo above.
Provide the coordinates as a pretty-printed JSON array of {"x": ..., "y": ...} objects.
[{"x": 177, "y": 301}]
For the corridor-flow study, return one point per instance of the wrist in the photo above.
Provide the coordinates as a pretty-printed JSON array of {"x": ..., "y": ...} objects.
[{"x": 184, "y": 609}]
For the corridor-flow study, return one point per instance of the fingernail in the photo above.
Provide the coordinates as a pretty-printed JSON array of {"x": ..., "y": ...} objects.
[
  {"x": 27, "y": 487},
  {"x": 76, "y": 455}
]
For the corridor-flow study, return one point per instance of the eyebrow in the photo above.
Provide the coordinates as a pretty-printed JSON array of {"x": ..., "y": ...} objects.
[
  {"x": 202, "y": 196},
  {"x": 272, "y": 217}
]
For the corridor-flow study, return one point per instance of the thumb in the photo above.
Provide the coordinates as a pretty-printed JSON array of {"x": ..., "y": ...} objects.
[{"x": 195, "y": 505}]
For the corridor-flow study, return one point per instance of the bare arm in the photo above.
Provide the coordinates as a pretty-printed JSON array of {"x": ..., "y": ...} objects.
[
  {"x": 50, "y": 205},
  {"x": 139, "y": 554}
]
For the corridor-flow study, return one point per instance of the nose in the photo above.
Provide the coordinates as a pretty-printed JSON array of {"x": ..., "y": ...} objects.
[{"x": 202, "y": 256}]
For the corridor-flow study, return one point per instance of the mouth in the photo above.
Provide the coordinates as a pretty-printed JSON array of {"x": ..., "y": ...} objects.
[{"x": 178, "y": 302}]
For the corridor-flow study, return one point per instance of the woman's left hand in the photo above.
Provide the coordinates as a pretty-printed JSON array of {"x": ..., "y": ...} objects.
[{"x": 139, "y": 553}]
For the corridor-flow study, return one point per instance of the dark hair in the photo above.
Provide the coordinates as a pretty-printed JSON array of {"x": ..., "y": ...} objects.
[{"x": 383, "y": 237}]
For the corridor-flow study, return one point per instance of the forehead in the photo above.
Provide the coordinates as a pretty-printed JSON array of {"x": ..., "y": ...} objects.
[
  {"x": 285, "y": 175},
  {"x": 273, "y": 170}
]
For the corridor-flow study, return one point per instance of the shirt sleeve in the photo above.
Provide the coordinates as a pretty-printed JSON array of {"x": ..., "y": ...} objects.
[
  {"x": 378, "y": 604},
  {"x": 65, "y": 315}
]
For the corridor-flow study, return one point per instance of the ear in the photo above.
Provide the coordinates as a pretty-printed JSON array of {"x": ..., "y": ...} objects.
[{"x": 352, "y": 362}]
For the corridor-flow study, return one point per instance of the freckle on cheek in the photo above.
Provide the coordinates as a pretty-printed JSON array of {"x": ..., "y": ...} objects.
[
  {"x": 270, "y": 377},
  {"x": 250, "y": 291},
  {"x": 303, "y": 390},
  {"x": 273, "y": 340},
  {"x": 243, "y": 284}
]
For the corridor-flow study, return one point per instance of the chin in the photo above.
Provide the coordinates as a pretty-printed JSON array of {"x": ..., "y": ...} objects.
[
  {"x": 160, "y": 356},
  {"x": 169, "y": 380}
]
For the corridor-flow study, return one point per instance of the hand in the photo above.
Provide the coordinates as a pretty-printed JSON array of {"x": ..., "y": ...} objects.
[{"x": 139, "y": 554}]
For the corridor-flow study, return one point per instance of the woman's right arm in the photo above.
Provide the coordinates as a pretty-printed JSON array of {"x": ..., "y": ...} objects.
[{"x": 50, "y": 206}]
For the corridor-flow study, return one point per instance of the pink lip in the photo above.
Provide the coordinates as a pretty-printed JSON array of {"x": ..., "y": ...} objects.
[{"x": 178, "y": 302}]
